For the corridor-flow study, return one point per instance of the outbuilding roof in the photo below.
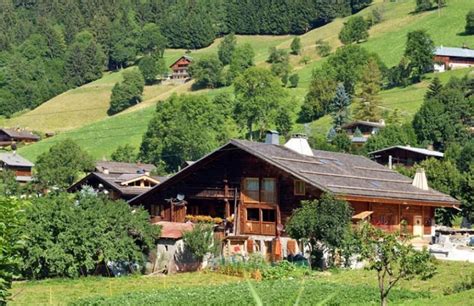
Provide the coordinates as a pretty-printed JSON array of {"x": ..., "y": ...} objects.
[
  {"x": 454, "y": 52},
  {"x": 13, "y": 159},
  {"x": 412, "y": 149},
  {"x": 342, "y": 174},
  {"x": 361, "y": 122},
  {"x": 20, "y": 134},
  {"x": 122, "y": 168}
]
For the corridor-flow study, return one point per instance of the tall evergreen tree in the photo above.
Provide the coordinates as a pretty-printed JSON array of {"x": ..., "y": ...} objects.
[
  {"x": 419, "y": 51},
  {"x": 296, "y": 46},
  {"x": 368, "y": 106},
  {"x": 434, "y": 88},
  {"x": 339, "y": 107},
  {"x": 226, "y": 48}
]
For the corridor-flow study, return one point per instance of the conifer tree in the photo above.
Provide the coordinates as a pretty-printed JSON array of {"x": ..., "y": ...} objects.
[
  {"x": 226, "y": 48},
  {"x": 368, "y": 106},
  {"x": 339, "y": 107},
  {"x": 470, "y": 23},
  {"x": 434, "y": 88},
  {"x": 296, "y": 46}
]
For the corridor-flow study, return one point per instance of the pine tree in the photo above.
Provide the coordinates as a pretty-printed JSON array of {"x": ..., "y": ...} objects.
[
  {"x": 470, "y": 23},
  {"x": 226, "y": 48},
  {"x": 434, "y": 88},
  {"x": 296, "y": 46},
  {"x": 368, "y": 106},
  {"x": 339, "y": 107}
]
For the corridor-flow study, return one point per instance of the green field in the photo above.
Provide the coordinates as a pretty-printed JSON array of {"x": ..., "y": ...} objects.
[
  {"x": 336, "y": 287},
  {"x": 80, "y": 113}
]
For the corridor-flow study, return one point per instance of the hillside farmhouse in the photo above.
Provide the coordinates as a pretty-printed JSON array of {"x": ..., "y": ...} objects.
[
  {"x": 452, "y": 58},
  {"x": 11, "y": 136},
  {"x": 19, "y": 165},
  {"x": 403, "y": 155},
  {"x": 180, "y": 69},
  {"x": 255, "y": 187},
  {"x": 119, "y": 180},
  {"x": 359, "y": 131}
]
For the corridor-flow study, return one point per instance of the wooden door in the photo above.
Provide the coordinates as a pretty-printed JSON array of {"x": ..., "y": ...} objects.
[
  {"x": 178, "y": 213},
  {"x": 418, "y": 226}
]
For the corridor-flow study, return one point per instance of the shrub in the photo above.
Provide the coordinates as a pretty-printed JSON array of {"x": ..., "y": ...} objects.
[
  {"x": 200, "y": 240},
  {"x": 469, "y": 28},
  {"x": 323, "y": 48},
  {"x": 73, "y": 235}
]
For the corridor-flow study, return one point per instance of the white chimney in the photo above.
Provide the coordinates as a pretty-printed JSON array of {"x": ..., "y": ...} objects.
[
  {"x": 106, "y": 170},
  {"x": 382, "y": 121},
  {"x": 420, "y": 181},
  {"x": 299, "y": 144}
]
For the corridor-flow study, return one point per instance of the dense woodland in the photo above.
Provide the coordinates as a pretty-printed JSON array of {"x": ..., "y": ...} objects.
[{"x": 47, "y": 48}]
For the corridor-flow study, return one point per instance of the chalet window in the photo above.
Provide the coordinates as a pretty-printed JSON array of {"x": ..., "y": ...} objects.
[
  {"x": 268, "y": 192},
  {"x": 253, "y": 214},
  {"x": 300, "y": 187},
  {"x": 268, "y": 215},
  {"x": 251, "y": 189}
]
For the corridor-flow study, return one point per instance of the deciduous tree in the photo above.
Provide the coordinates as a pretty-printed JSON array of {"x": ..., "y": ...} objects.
[
  {"x": 354, "y": 30},
  {"x": 469, "y": 28},
  {"x": 258, "y": 94},
  {"x": 419, "y": 52},
  {"x": 148, "y": 68},
  {"x": 368, "y": 106},
  {"x": 322, "y": 224},
  {"x": 62, "y": 164},
  {"x": 322, "y": 90},
  {"x": 126, "y": 93},
  {"x": 207, "y": 71},
  {"x": 296, "y": 46},
  {"x": 242, "y": 58},
  {"x": 125, "y": 153}
]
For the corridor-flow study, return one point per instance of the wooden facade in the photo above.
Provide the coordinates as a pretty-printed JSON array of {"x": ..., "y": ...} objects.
[
  {"x": 261, "y": 196},
  {"x": 403, "y": 156},
  {"x": 180, "y": 69}
]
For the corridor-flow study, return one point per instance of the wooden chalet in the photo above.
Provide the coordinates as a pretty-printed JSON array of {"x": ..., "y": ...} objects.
[
  {"x": 366, "y": 129},
  {"x": 447, "y": 58},
  {"x": 180, "y": 69},
  {"x": 256, "y": 186},
  {"x": 11, "y": 136},
  {"x": 20, "y": 166},
  {"x": 119, "y": 180},
  {"x": 403, "y": 155}
]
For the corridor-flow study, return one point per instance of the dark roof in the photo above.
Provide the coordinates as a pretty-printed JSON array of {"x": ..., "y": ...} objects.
[
  {"x": 454, "y": 52},
  {"x": 412, "y": 149},
  {"x": 339, "y": 173},
  {"x": 114, "y": 181},
  {"x": 13, "y": 159},
  {"x": 187, "y": 57},
  {"x": 366, "y": 123},
  {"x": 20, "y": 134},
  {"x": 119, "y": 167}
]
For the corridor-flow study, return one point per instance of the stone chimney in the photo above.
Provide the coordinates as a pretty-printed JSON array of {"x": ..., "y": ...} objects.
[
  {"x": 420, "y": 181},
  {"x": 299, "y": 144},
  {"x": 272, "y": 137}
]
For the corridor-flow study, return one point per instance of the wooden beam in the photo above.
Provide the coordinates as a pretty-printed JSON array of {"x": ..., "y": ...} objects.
[
  {"x": 405, "y": 202},
  {"x": 298, "y": 160},
  {"x": 374, "y": 169},
  {"x": 356, "y": 177}
]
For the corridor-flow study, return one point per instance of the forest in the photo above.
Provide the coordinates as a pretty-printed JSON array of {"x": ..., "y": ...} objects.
[{"x": 46, "y": 48}]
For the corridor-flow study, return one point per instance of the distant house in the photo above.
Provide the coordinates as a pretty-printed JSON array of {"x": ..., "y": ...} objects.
[
  {"x": 359, "y": 131},
  {"x": 451, "y": 58},
  {"x": 119, "y": 180},
  {"x": 10, "y": 136},
  {"x": 17, "y": 164},
  {"x": 403, "y": 155},
  {"x": 255, "y": 187},
  {"x": 180, "y": 69}
]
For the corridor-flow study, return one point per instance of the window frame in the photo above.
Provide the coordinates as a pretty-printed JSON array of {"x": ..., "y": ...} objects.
[{"x": 296, "y": 191}]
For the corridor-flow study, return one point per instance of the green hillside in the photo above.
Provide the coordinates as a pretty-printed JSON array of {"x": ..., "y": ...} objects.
[{"x": 100, "y": 135}]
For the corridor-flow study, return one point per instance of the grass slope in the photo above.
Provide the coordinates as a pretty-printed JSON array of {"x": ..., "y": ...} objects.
[
  {"x": 344, "y": 283},
  {"x": 91, "y": 126}
]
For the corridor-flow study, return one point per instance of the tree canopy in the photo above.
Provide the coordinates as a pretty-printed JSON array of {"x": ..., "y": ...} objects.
[
  {"x": 62, "y": 164},
  {"x": 127, "y": 93},
  {"x": 354, "y": 30}
]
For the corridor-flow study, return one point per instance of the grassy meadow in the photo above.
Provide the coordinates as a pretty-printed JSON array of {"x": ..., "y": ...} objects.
[
  {"x": 80, "y": 113},
  {"x": 337, "y": 287}
]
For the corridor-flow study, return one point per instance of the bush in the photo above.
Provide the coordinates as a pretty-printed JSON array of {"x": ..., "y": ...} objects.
[
  {"x": 469, "y": 28},
  {"x": 200, "y": 240},
  {"x": 423, "y": 5},
  {"x": 294, "y": 80},
  {"x": 323, "y": 48},
  {"x": 73, "y": 235},
  {"x": 354, "y": 30}
]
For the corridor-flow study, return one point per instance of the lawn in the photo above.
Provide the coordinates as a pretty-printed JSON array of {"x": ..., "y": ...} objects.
[{"x": 339, "y": 287}]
